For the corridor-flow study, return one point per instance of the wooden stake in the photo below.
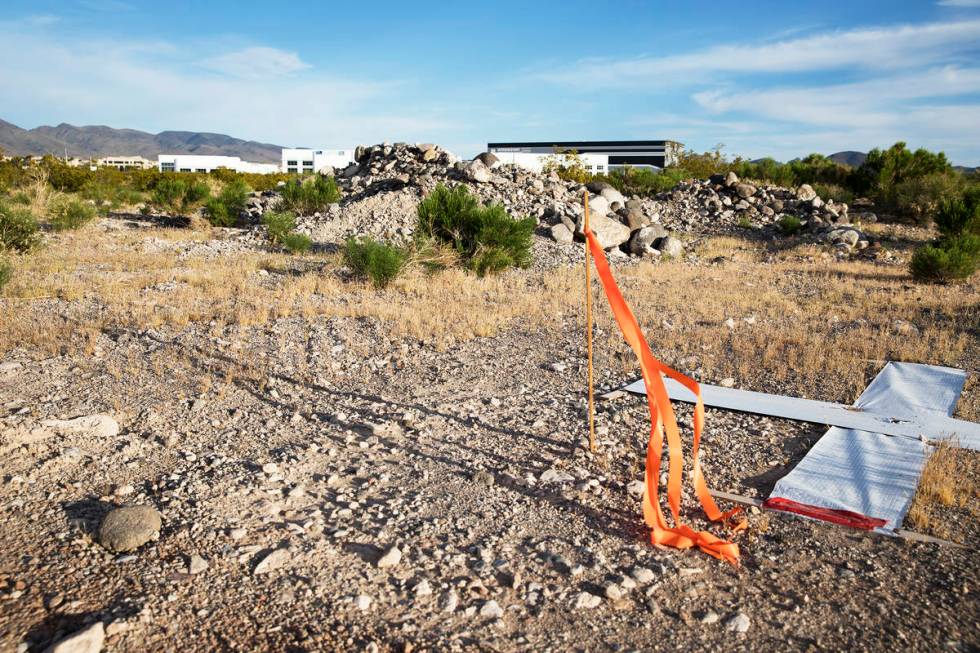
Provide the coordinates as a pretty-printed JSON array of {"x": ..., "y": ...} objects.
[{"x": 588, "y": 326}]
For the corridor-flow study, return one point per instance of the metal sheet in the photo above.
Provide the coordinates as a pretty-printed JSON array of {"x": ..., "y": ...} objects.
[
  {"x": 867, "y": 473},
  {"x": 870, "y": 473},
  {"x": 918, "y": 385}
]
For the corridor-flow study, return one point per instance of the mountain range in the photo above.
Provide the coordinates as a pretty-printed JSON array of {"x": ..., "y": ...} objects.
[{"x": 98, "y": 140}]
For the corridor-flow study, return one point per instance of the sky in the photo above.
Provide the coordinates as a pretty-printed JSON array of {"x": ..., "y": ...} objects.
[{"x": 781, "y": 79}]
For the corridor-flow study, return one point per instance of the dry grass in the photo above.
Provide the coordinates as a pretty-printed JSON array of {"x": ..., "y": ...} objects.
[
  {"x": 950, "y": 484},
  {"x": 803, "y": 324}
]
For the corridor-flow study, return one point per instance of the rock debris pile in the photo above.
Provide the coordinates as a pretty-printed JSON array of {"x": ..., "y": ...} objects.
[{"x": 384, "y": 186}]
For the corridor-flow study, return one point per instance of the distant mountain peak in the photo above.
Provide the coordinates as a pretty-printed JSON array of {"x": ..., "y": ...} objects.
[{"x": 101, "y": 140}]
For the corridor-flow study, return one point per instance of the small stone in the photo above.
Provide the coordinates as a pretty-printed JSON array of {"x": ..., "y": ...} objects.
[
  {"x": 129, "y": 527},
  {"x": 587, "y": 601},
  {"x": 272, "y": 561},
  {"x": 556, "y": 476},
  {"x": 124, "y": 490},
  {"x": 636, "y": 488},
  {"x": 492, "y": 610},
  {"x": 710, "y": 617},
  {"x": 391, "y": 557},
  {"x": 484, "y": 478},
  {"x": 449, "y": 601},
  {"x": 270, "y": 468},
  {"x": 739, "y": 623},
  {"x": 727, "y": 382},
  {"x": 422, "y": 588},
  {"x": 236, "y": 533},
  {"x": 613, "y": 592},
  {"x": 642, "y": 575},
  {"x": 196, "y": 565},
  {"x": 87, "y": 640},
  {"x": 363, "y": 602}
]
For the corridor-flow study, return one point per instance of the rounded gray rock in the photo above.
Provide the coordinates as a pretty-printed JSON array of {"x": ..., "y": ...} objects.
[{"x": 128, "y": 528}]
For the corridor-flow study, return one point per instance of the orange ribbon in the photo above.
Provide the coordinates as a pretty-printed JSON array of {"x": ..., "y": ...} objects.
[{"x": 662, "y": 418}]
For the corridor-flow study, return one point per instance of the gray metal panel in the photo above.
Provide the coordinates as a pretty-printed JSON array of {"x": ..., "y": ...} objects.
[
  {"x": 868, "y": 473},
  {"x": 931, "y": 424}
]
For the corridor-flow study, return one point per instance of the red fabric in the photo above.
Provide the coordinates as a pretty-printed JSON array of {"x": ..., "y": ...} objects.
[{"x": 843, "y": 517}]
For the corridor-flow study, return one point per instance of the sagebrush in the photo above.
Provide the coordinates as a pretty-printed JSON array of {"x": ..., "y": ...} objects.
[
  {"x": 370, "y": 259},
  {"x": 67, "y": 214},
  {"x": 19, "y": 230},
  {"x": 310, "y": 196},
  {"x": 486, "y": 238}
]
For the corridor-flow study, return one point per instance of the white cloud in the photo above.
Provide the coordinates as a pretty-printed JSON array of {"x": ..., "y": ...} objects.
[
  {"x": 877, "y": 48},
  {"x": 959, "y": 3},
  {"x": 256, "y": 63},
  {"x": 154, "y": 86}
]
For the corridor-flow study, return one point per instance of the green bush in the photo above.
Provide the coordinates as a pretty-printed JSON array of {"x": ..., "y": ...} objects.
[
  {"x": 169, "y": 193},
  {"x": 225, "y": 209},
  {"x": 69, "y": 213},
  {"x": 485, "y": 237},
  {"x": 948, "y": 260},
  {"x": 370, "y": 259},
  {"x": 6, "y": 272},
  {"x": 960, "y": 215},
  {"x": 297, "y": 243},
  {"x": 196, "y": 193},
  {"x": 19, "y": 230},
  {"x": 789, "y": 225},
  {"x": 832, "y": 192},
  {"x": 310, "y": 196},
  {"x": 279, "y": 224},
  {"x": 918, "y": 198}
]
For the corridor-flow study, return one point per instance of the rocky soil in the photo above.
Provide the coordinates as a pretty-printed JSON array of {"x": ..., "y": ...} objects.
[{"x": 318, "y": 482}]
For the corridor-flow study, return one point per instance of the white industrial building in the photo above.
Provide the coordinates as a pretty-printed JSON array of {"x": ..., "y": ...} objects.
[
  {"x": 303, "y": 160},
  {"x": 207, "y": 163},
  {"x": 598, "y": 157}
]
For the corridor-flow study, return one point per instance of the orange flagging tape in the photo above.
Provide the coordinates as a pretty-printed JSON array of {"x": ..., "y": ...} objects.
[{"x": 662, "y": 418}]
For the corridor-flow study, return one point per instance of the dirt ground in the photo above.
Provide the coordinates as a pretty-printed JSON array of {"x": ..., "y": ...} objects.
[{"x": 273, "y": 405}]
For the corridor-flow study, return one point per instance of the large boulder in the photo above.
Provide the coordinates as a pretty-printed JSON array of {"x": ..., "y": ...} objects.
[
  {"x": 745, "y": 191},
  {"x": 610, "y": 233},
  {"x": 562, "y": 234},
  {"x": 596, "y": 187},
  {"x": 805, "y": 193},
  {"x": 86, "y": 640},
  {"x": 671, "y": 246},
  {"x": 643, "y": 241},
  {"x": 633, "y": 218},
  {"x": 598, "y": 205},
  {"x": 489, "y": 159},
  {"x": 128, "y": 528},
  {"x": 614, "y": 197},
  {"x": 477, "y": 171},
  {"x": 731, "y": 179},
  {"x": 844, "y": 237}
]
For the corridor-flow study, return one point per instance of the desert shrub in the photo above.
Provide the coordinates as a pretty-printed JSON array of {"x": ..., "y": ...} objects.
[
  {"x": 69, "y": 213},
  {"x": 486, "y": 238},
  {"x": 702, "y": 166},
  {"x": 225, "y": 209},
  {"x": 960, "y": 215},
  {"x": 278, "y": 224},
  {"x": 370, "y": 259},
  {"x": 168, "y": 193},
  {"x": 63, "y": 177},
  {"x": 833, "y": 192},
  {"x": 918, "y": 198},
  {"x": 195, "y": 194},
  {"x": 950, "y": 259},
  {"x": 19, "y": 230},
  {"x": 6, "y": 272},
  {"x": 745, "y": 222},
  {"x": 789, "y": 225},
  {"x": 568, "y": 165},
  {"x": 644, "y": 182},
  {"x": 297, "y": 243},
  {"x": 310, "y": 196}
]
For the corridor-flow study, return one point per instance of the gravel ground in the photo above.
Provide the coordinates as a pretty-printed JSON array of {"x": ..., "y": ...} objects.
[{"x": 293, "y": 465}]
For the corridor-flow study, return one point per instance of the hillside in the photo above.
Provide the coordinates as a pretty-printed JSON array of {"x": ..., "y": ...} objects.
[{"x": 99, "y": 140}]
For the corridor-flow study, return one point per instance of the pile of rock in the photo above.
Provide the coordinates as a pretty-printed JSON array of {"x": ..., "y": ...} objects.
[{"x": 384, "y": 185}]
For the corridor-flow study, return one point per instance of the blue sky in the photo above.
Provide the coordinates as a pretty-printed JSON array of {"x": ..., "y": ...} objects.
[{"x": 763, "y": 78}]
